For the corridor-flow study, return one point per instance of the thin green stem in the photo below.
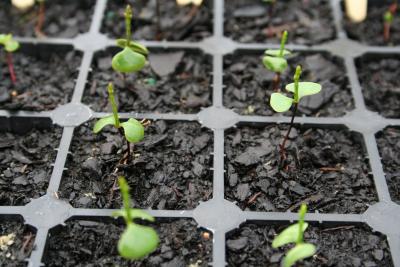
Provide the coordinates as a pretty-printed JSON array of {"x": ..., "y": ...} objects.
[
  {"x": 283, "y": 42},
  {"x": 128, "y": 24},
  {"x": 124, "y": 188},
  {"x": 296, "y": 84},
  {"x": 302, "y": 214},
  {"x": 113, "y": 104}
]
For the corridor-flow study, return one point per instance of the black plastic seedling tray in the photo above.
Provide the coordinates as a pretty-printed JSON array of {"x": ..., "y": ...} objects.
[{"x": 217, "y": 214}]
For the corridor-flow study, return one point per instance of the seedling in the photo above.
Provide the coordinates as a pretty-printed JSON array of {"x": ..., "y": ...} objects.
[
  {"x": 137, "y": 241},
  {"x": 388, "y": 18},
  {"x": 132, "y": 130},
  {"x": 10, "y": 46},
  {"x": 133, "y": 56},
  {"x": 282, "y": 103},
  {"x": 294, "y": 234},
  {"x": 275, "y": 61}
]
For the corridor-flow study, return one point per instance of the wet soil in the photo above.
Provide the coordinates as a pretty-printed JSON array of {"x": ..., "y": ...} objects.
[
  {"x": 170, "y": 168},
  {"x": 326, "y": 169}
]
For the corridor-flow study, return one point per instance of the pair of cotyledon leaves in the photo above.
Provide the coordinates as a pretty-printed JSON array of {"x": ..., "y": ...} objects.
[
  {"x": 299, "y": 251},
  {"x": 282, "y": 103},
  {"x": 131, "y": 59},
  {"x": 10, "y": 45},
  {"x": 133, "y": 129},
  {"x": 137, "y": 241}
]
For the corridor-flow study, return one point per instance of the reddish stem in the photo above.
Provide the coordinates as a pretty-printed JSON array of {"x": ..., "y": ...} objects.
[
  {"x": 386, "y": 31},
  {"x": 11, "y": 68},
  {"x": 283, "y": 145},
  {"x": 276, "y": 82},
  {"x": 40, "y": 20}
]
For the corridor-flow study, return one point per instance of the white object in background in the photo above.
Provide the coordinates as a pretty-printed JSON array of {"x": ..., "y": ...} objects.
[
  {"x": 23, "y": 4},
  {"x": 356, "y": 10},
  {"x": 186, "y": 2}
]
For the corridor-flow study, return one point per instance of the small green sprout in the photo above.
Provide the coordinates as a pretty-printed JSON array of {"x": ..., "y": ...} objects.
[
  {"x": 10, "y": 46},
  {"x": 275, "y": 61},
  {"x": 282, "y": 103},
  {"x": 133, "y": 130},
  {"x": 294, "y": 234},
  {"x": 133, "y": 56},
  {"x": 137, "y": 241},
  {"x": 388, "y": 18}
]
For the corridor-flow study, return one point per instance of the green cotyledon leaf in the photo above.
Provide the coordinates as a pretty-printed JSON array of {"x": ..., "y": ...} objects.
[
  {"x": 275, "y": 64},
  {"x": 134, "y": 130},
  {"x": 103, "y": 122},
  {"x": 137, "y": 241},
  {"x": 305, "y": 88},
  {"x": 289, "y": 235},
  {"x": 128, "y": 61},
  {"x": 299, "y": 252},
  {"x": 280, "y": 103}
]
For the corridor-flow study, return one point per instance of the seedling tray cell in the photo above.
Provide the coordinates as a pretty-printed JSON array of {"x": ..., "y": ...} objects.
[{"x": 209, "y": 200}]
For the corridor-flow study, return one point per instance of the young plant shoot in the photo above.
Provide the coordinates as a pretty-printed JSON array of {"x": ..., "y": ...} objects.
[
  {"x": 282, "y": 103},
  {"x": 275, "y": 61},
  {"x": 137, "y": 241},
  {"x": 388, "y": 18},
  {"x": 132, "y": 130},
  {"x": 294, "y": 234},
  {"x": 133, "y": 56},
  {"x": 10, "y": 46}
]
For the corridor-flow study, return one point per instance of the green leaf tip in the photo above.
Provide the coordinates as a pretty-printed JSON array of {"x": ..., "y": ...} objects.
[
  {"x": 135, "y": 46},
  {"x": 299, "y": 252},
  {"x": 280, "y": 102},
  {"x": 128, "y": 12},
  {"x": 127, "y": 61},
  {"x": 133, "y": 130}
]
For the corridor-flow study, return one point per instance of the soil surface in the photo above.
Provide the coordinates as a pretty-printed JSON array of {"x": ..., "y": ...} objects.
[
  {"x": 255, "y": 182},
  {"x": 173, "y": 81},
  {"x": 353, "y": 246},
  {"x": 44, "y": 80},
  {"x": 63, "y": 19},
  {"x": 389, "y": 148},
  {"x": 177, "y": 23},
  {"x": 381, "y": 87},
  {"x": 370, "y": 31},
  {"x": 307, "y": 21},
  {"x": 25, "y": 164},
  {"x": 249, "y": 84},
  {"x": 21, "y": 239},
  {"x": 86, "y": 243},
  {"x": 170, "y": 168}
]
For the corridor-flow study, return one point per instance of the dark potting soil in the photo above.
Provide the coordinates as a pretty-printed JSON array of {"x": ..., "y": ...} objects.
[
  {"x": 307, "y": 21},
  {"x": 25, "y": 164},
  {"x": 173, "y": 81},
  {"x": 86, "y": 243},
  {"x": 63, "y": 19},
  {"x": 339, "y": 245},
  {"x": 389, "y": 148},
  {"x": 176, "y": 22},
  {"x": 16, "y": 243},
  {"x": 44, "y": 80},
  {"x": 381, "y": 87},
  {"x": 170, "y": 169},
  {"x": 255, "y": 182},
  {"x": 249, "y": 84},
  {"x": 370, "y": 31}
]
